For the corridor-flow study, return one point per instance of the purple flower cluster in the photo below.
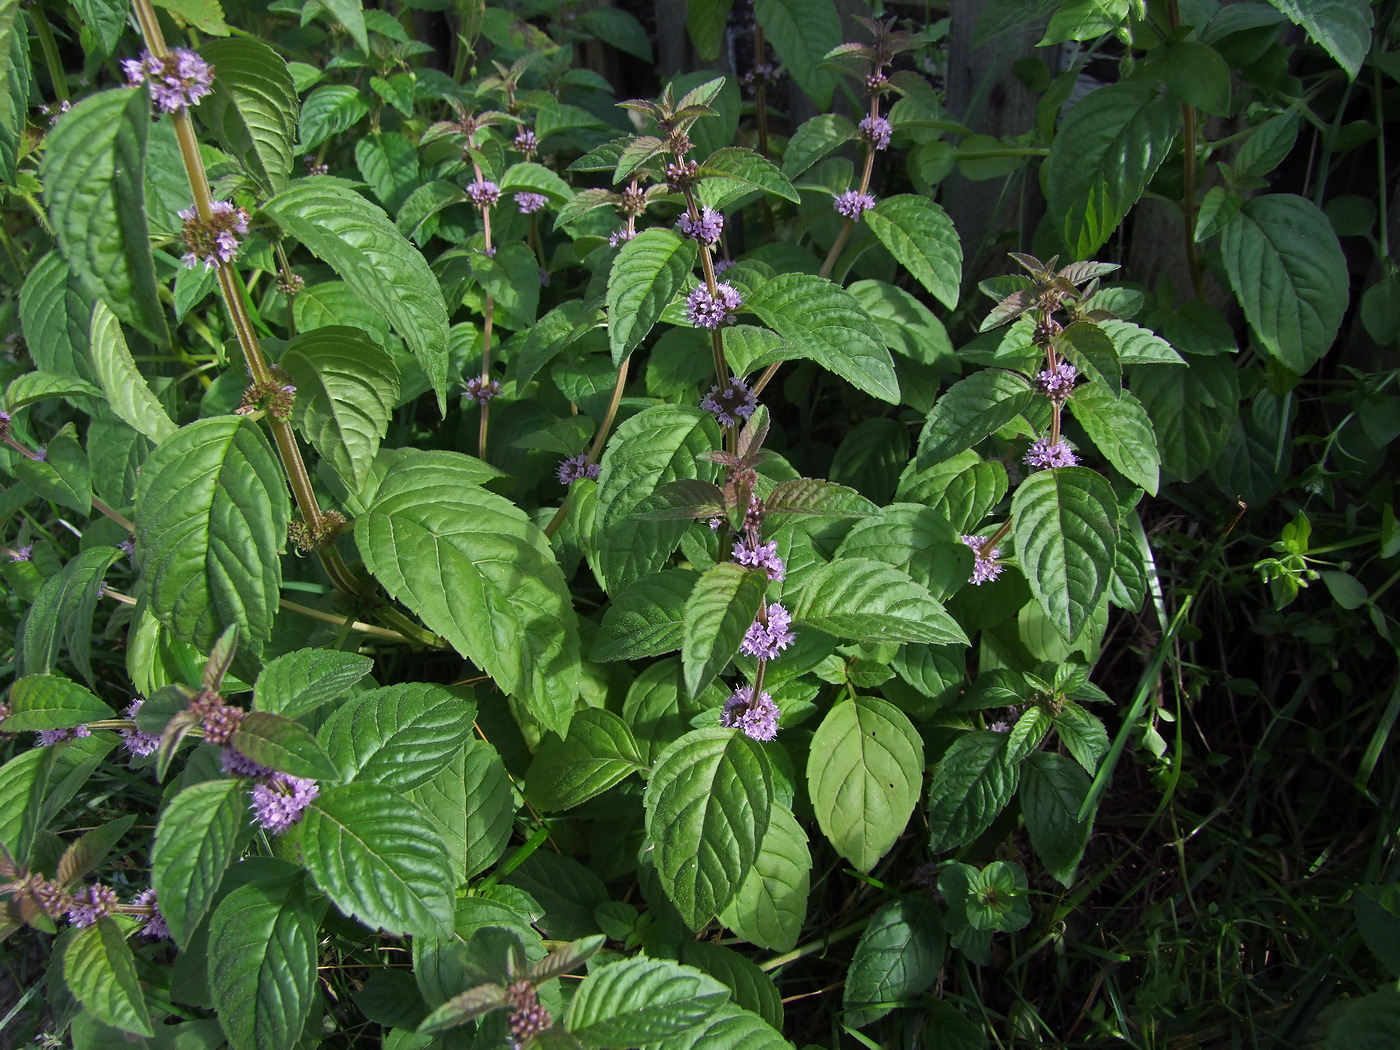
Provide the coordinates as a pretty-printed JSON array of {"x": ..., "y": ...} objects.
[
  {"x": 768, "y": 635},
  {"x": 280, "y": 799},
  {"x": 178, "y": 80},
  {"x": 214, "y": 241},
  {"x": 49, "y": 737},
  {"x": 236, "y": 763},
  {"x": 313, "y": 167},
  {"x": 876, "y": 131},
  {"x": 482, "y": 390},
  {"x": 705, "y": 228},
  {"x": 24, "y": 553},
  {"x": 730, "y": 404},
  {"x": 529, "y": 203},
  {"x": 526, "y": 142},
  {"x": 853, "y": 204},
  {"x": 764, "y": 556},
  {"x": 528, "y": 1018},
  {"x": 1046, "y": 453},
  {"x": 755, "y": 715},
  {"x": 985, "y": 566},
  {"x": 1057, "y": 383},
  {"x": 711, "y": 311},
  {"x": 621, "y": 236},
  {"x": 139, "y": 744},
  {"x": 576, "y": 468},
  {"x": 154, "y": 926},
  {"x": 484, "y": 193},
  {"x": 88, "y": 907}
]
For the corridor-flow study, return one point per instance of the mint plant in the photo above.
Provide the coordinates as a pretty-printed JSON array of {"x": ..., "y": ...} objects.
[{"x": 497, "y": 560}]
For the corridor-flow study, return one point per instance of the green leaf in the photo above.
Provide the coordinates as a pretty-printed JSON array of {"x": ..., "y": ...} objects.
[
  {"x": 658, "y": 445},
  {"x": 705, "y": 22},
  {"x": 599, "y": 752},
  {"x": 971, "y": 785},
  {"x": 281, "y": 744},
  {"x": 423, "y": 204},
  {"x": 1083, "y": 735},
  {"x": 398, "y": 736},
  {"x": 907, "y": 325},
  {"x": 801, "y": 32},
  {"x": 735, "y": 172},
  {"x": 1341, "y": 27},
  {"x": 752, "y": 988},
  {"x": 22, "y": 783},
  {"x": 771, "y": 905},
  {"x": 1287, "y": 269},
  {"x": 897, "y": 958},
  {"x": 296, "y": 683},
  {"x": 707, "y": 809},
  {"x": 368, "y": 252},
  {"x": 864, "y": 773},
  {"x": 1370, "y": 1022},
  {"x": 474, "y": 805},
  {"x": 815, "y": 139},
  {"x": 253, "y": 109},
  {"x": 128, "y": 394},
  {"x": 1139, "y": 346},
  {"x": 262, "y": 962},
  {"x": 100, "y": 971},
  {"x": 388, "y": 161},
  {"x": 91, "y": 849},
  {"x": 724, "y": 603},
  {"x": 618, "y": 28},
  {"x": 59, "y": 621},
  {"x": 728, "y": 1028},
  {"x": 329, "y": 110},
  {"x": 970, "y": 410},
  {"x": 536, "y": 178},
  {"x": 196, "y": 837},
  {"x": 646, "y": 618},
  {"x": 1093, "y": 352},
  {"x": 1195, "y": 73},
  {"x": 1378, "y": 917},
  {"x": 512, "y": 278},
  {"x": 63, "y": 475},
  {"x": 347, "y": 387},
  {"x": 377, "y": 856},
  {"x": 205, "y": 15},
  {"x": 961, "y": 491},
  {"x": 211, "y": 519},
  {"x": 11, "y": 122},
  {"x": 480, "y": 573},
  {"x": 646, "y": 275},
  {"x": 642, "y": 1000},
  {"x": 94, "y": 183},
  {"x": 920, "y": 235},
  {"x": 48, "y": 302},
  {"x": 1120, "y": 428},
  {"x": 867, "y": 601},
  {"x": 46, "y": 701},
  {"x": 826, "y": 325},
  {"x": 33, "y": 387},
  {"x": 1268, "y": 146},
  {"x": 1066, "y": 532},
  {"x": 1084, "y": 20},
  {"x": 1105, "y": 153},
  {"x": 1052, "y": 790}
]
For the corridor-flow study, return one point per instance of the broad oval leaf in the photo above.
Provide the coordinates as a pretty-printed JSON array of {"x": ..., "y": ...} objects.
[
  {"x": 802, "y": 32},
  {"x": 867, "y": 601},
  {"x": 815, "y": 139},
  {"x": 59, "y": 621},
  {"x": 398, "y": 736},
  {"x": 641, "y": 1000},
  {"x": 599, "y": 752},
  {"x": 100, "y": 971},
  {"x": 1053, "y": 789},
  {"x": 47, "y": 701},
  {"x": 128, "y": 393},
  {"x": 253, "y": 109},
  {"x": 1341, "y": 27},
  {"x": 282, "y": 744},
  {"x": 329, "y": 110},
  {"x": 897, "y": 958},
  {"x": 196, "y": 837},
  {"x": 720, "y": 609},
  {"x": 646, "y": 275},
  {"x": 919, "y": 234},
  {"x": 970, "y": 410},
  {"x": 971, "y": 784},
  {"x": 211, "y": 519},
  {"x": 734, "y": 172},
  {"x": 1121, "y": 429},
  {"x": 771, "y": 905},
  {"x": 646, "y": 618},
  {"x": 298, "y": 682}
]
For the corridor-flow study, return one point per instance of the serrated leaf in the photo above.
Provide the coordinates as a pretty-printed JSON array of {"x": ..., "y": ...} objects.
[
  {"x": 59, "y": 620},
  {"x": 1195, "y": 73},
  {"x": 1139, "y": 346},
  {"x": 1083, "y": 735},
  {"x": 970, "y": 410},
  {"x": 1106, "y": 151},
  {"x": 1341, "y": 27},
  {"x": 707, "y": 810},
  {"x": 196, "y": 837},
  {"x": 128, "y": 394},
  {"x": 47, "y": 701},
  {"x": 376, "y": 855},
  {"x": 801, "y": 32},
  {"x": 735, "y": 172},
  {"x": 1092, "y": 351},
  {"x": 33, "y": 387},
  {"x": 63, "y": 475},
  {"x": 100, "y": 971},
  {"x": 1065, "y": 524},
  {"x": 599, "y": 752},
  {"x": 864, "y": 774},
  {"x": 94, "y": 184},
  {"x": 897, "y": 957},
  {"x": 1053, "y": 789},
  {"x": 422, "y": 205},
  {"x": 646, "y": 275},
  {"x": 826, "y": 325},
  {"x": 908, "y": 326},
  {"x": 480, "y": 573},
  {"x": 646, "y": 618},
  {"x": 368, "y": 252},
  {"x": 388, "y": 161},
  {"x": 971, "y": 785},
  {"x": 817, "y": 498},
  {"x": 398, "y": 736},
  {"x": 724, "y": 603},
  {"x": 753, "y": 990},
  {"x": 48, "y": 302},
  {"x": 642, "y": 1000},
  {"x": 770, "y": 908},
  {"x": 1287, "y": 269},
  {"x": 813, "y": 140},
  {"x": 253, "y": 108},
  {"x": 536, "y": 178},
  {"x": 920, "y": 235},
  {"x": 512, "y": 278},
  {"x": 329, "y": 110},
  {"x": 915, "y": 540},
  {"x": 964, "y": 495},
  {"x": 211, "y": 519},
  {"x": 298, "y": 682},
  {"x": 90, "y": 850},
  {"x": 867, "y": 601},
  {"x": 1120, "y": 428},
  {"x": 281, "y": 744}
]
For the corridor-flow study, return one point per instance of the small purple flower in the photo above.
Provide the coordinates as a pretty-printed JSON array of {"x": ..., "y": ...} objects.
[
  {"x": 762, "y": 73},
  {"x": 526, "y": 142},
  {"x": 49, "y": 737},
  {"x": 766, "y": 640},
  {"x": 528, "y": 1018},
  {"x": 180, "y": 79},
  {"x": 753, "y": 514},
  {"x": 1057, "y": 383},
  {"x": 985, "y": 566},
  {"x": 721, "y": 265},
  {"x": 1000, "y": 727},
  {"x": 735, "y": 402},
  {"x": 761, "y": 556},
  {"x": 853, "y": 204},
  {"x": 279, "y": 801},
  {"x": 876, "y": 131},
  {"x": 482, "y": 390},
  {"x": 128, "y": 547},
  {"x": 621, "y": 236},
  {"x": 215, "y": 241},
  {"x": 710, "y": 311},
  {"x": 529, "y": 203},
  {"x": 484, "y": 193},
  {"x": 138, "y": 743},
  {"x": 1045, "y": 453},
  {"x": 715, "y": 523},
  {"x": 154, "y": 926},
  {"x": 88, "y": 907},
  {"x": 4, "y": 422},
  {"x": 41, "y": 455},
  {"x": 314, "y": 168},
  {"x": 876, "y": 82},
  {"x": 575, "y": 468},
  {"x": 706, "y": 228},
  {"x": 755, "y": 716},
  {"x": 236, "y": 763},
  {"x": 24, "y": 553}
]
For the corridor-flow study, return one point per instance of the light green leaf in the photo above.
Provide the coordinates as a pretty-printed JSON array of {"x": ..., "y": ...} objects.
[
  {"x": 329, "y": 110},
  {"x": 388, "y": 161},
  {"x": 970, "y": 410},
  {"x": 707, "y": 809},
  {"x": 58, "y": 623},
  {"x": 48, "y": 300},
  {"x": 920, "y": 235},
  {"x": 281, "y": 744},
  {"x": 1066, "y": 533},
  {"x": 1093, "y": 352},
  {"x": 262, "y": 962},
  {"x": 1052, "y": 790},
  {"x": 864, "y": 773},
  {"x": 642, "y": 1000},
  {"x": 512, "y": 278},
  {"x": 1120, "y": 428},
  {"x": 720, "y": 609},
  {"x": 298, "y": 682},
  {"x": 368, "y": 252},
  {"x": 908, "y": 326},
  {"x": 802, "y": 32},
  {"x": 962, "y": 493},
  {"x": 205, "y": 15},
  {"x": 63, "y": 475},
  {"x": 753, "y": 990},
  {"x": 33, "y": 387},
  {"x": 94, "y": 183},
  {"x": 480, "y": 573},
  {"x": 253, "y": 110},
  {"x": 646, "y": 275},
  {"x": 771, "y": 905},
  {"x": 1287, "y": 268},
  {"x": 646, "y": 618},
  {"x": 735, "y": 172},
  {"x": 377, "y": 856},
  {"x": 128, "y": 394},
  {"x": 705, "y": 22},
  {"x": 423, "y": 204},
  {"x": 1341, "y": 27},
  {"x": 211, "y": 519},
  {"x": 536, "y": 178},
  {"x": 1084, "y": 20},
  {"x": 867, "y": 601},
  {"x": 100, "y": 971},
  {"x": 37, "y": 783},
  {"x": 599, "y": 752},
  {"x": 971, "y": 785},
  {"x": 47, "y": 701},
  {"x": 1139, "y": 346},
  {"x": 196, "y": 837},
  {"x": 815, "y": 139},
  {"x": 398, "y": 736},
  {"x": 896, "y": 959}
]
